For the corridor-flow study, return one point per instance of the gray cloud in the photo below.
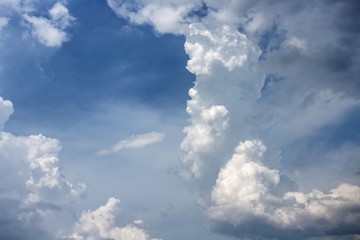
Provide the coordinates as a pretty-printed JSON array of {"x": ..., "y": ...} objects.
[{"x": 303, "y": 79}]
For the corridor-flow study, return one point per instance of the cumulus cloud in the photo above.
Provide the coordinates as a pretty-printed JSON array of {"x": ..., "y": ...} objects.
[
  {"x": 101, "y": 224},
  {"x": 135, "y": 141},
  {"x": 36, "y": 198},
  {"x": 279, "y": 72},
  {"x": 32, "y": 182},
  {"x": 206, "y": 48},
  {"x": 37, "y": 155},
  {"x": 51, "y": 31},
  {"x": 216, "y": 56},
  {"x": 243, "y": 194}
]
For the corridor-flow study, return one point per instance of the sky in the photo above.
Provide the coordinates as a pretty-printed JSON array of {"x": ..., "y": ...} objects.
[{"x": 179, "y": 119}]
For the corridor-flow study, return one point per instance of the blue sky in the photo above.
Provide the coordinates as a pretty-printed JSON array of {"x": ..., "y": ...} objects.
[{"x": 179, "y": 119}]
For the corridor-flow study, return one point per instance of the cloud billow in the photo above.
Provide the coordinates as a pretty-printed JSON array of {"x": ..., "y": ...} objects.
[
  {"x": 243, "y": 196},
  {"x": 51, "y": 31},
  {"x": 233, "y": 49},
  {"x": 100, "y": 224},
  {"x": 33, "y": 184},
  {"x": 36, "y": 199}
]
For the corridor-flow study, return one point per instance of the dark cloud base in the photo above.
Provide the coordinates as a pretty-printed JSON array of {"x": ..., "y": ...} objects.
[
  {"x": 13, "y": 228},
  {"x": 258, "y": 228}
]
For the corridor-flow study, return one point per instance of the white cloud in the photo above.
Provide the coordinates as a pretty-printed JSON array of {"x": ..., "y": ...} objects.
[
  {"x": 243, "y": 192},
  {"x": 51, "y": 32},
  {"x": 231, "y": 101},
  {"x": 33, "y": 161},
  {"x": 3, "y": 22},
  {"x": 61, "y": 16},
  {"x": 139, "y": 222},
  {"x": 135, "y": 141},
  {"x": 165, "y": 16},
  {"x": 224, "y": 61},
  {"x": 101, "y": 224},
  {"x": 298, "y": 43},
  {"x": 39, "y": 196},
  {"x": 206, "y": 48},
  {"x": 31, "y": 177},
  {"x": 6, "y": 109},
  {"x": 205, "y": 132},
  {"x": 45, "y": 32}
]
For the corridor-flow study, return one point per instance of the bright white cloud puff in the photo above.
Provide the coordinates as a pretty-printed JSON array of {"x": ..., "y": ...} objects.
[
  {"x": 101, "y": 224},
  {"x": 51, "y": 32},
  {"x": 244, "y": 193}
]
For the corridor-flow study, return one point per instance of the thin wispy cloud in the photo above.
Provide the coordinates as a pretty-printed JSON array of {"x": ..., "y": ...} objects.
[{"x": 134, "y": 142}]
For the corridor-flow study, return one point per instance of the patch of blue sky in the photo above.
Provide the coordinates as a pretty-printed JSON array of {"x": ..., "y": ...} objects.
[{"x": 105, "y": 61}]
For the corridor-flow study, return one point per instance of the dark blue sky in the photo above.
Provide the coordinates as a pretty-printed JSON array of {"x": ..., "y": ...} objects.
[{"x": 106, "y": 61}]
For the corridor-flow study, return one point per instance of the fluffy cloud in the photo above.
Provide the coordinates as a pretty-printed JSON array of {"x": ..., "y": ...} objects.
[
  {"x": 202, "y": 136},
  {"x": 135, "y": 141},
  {"x": 34, "y": 160},
  {"x": 215, "y": 57},
  {"x": 243, "y": 194},
  {"x": 51, "y": 32},
  {"x": 100, "y": 224},
  {"x": 35, "y": 197},
  {"x": 165, "y": 16},
  {"x": 290, "y": 72},
  {"x": 206, "y": 48},
  {"x": 32, "y": 182}
]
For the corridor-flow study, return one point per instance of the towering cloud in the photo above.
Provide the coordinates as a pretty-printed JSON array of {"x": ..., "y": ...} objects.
[
  {"x": 262, "y": 72},
  {"x": 215, "y": 57},
  {"x": 32, "y": 183}
]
